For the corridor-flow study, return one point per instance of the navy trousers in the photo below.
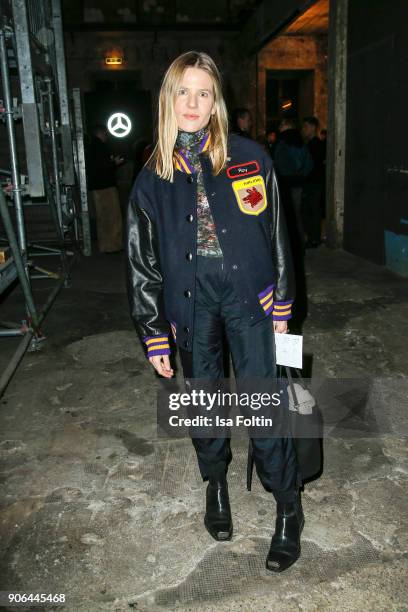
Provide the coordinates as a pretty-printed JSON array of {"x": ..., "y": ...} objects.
[{"x": 217, "y": 310}]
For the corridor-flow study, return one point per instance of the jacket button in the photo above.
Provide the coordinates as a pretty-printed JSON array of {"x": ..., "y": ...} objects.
[
  {"x": 223, "y": 231},
  {"x": 245, "y": 301},
  {"x": 213, "y": 193},
  {"x": 187, "y": 293},
  {"x": 235, "y": 267},
  {"x": 186, "y": 344},
  {"x": 190, "y": 218},
  {"x": 190, "y": 179},
  {"x": 189, "y": 256},
  {"x": 186, "y": 330}
]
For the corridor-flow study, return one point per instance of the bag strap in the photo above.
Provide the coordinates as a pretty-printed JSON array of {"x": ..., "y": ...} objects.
[
  {"x": 300, "y": 377},
  {"x": 292, "y": 387}
]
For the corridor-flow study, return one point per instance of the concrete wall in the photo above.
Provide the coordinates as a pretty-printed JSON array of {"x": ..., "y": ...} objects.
[
  {"x": 85, "y": 53},
  {"x": 294, "y": 53}
]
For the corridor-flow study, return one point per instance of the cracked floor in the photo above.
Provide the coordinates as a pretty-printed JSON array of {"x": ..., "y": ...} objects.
[{"x": 93, "y": 505}]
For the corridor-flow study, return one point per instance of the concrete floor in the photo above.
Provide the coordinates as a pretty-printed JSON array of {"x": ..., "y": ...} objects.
[{"x": 94, "y": 506}]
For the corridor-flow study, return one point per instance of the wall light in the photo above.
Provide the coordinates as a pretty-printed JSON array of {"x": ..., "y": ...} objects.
[
  {"x": 286, "y": 105},
  {"x": 113, "y": 61}
]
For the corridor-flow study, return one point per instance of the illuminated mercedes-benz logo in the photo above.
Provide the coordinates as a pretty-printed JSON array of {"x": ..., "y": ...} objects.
[{"x": 119, "y": 125}]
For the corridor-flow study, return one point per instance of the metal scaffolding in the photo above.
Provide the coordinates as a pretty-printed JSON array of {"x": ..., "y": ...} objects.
[{"x": 44, "y": 135}]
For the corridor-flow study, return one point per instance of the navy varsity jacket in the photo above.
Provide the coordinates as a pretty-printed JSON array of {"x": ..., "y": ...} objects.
[{"x": 161, "y": 243}]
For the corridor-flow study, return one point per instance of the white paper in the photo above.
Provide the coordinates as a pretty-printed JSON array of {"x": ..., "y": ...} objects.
[{"x": 289, "y": 349}]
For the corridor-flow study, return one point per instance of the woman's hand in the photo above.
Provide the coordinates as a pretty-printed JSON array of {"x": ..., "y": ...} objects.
[
  {"x": 161, "y": 364},
  {"x": 280, "y": 327}
]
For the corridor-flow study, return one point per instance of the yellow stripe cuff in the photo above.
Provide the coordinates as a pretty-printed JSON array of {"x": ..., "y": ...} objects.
[
  {"x": 266, "y": 306},
  {"x": 158, "y": 346},
  {"x": 158, "y": 339},
  {"x": 266, "y": 298},
  {"x": 281, "y": 312},
  {"x": 284, "y": 307}
]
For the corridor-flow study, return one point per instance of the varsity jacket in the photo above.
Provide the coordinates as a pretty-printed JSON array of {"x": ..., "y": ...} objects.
[{"x": 161, "y": 243}]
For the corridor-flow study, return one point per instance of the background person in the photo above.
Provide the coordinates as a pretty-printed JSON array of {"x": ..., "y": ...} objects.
[
  {"x": 272, "y": 141},
  {"x": 241, "y": 122},
  {"x": 293, "y": 164},
  {"x": 101, "y": 167},
  {"x": 313, "y": 188}
]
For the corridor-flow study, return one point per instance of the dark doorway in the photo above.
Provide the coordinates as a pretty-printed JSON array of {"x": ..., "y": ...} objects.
[
  {"x": 376, "y": 170},
  {"x": 289, "y": 93},
  {"x": 120, "y": 92}
]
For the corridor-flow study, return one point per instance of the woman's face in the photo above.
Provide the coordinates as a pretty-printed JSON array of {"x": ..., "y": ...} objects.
[{"x": 194, "y": 100}]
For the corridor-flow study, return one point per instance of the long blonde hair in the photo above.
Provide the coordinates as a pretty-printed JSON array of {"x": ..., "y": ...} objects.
[{"x": 161, "y": 159}]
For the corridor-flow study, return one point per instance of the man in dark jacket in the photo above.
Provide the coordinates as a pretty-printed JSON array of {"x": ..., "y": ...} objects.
[
  {"x": 293, "y": 164},
  {"x": 241, "y": 122},
  {"x": 101, "y": 178},
  {"x": 312, "y": 192}
]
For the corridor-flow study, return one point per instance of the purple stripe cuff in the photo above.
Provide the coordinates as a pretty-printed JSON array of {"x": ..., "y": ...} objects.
[
  {"x": 284, "y": 313},
  {"x": 163, "y": 351},
  {"x": 161, "y": 337},
  {"x": 265, "y": 291},
  {"x": 269, "y": 310},
  {"x": 155, "y": 341},
  {"x": 285, "y": 317}
]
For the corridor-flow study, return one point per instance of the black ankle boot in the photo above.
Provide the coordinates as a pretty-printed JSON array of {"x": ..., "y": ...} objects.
[
  {"x": 285, "y": 545},
  {"x": 217, "y": 520}
]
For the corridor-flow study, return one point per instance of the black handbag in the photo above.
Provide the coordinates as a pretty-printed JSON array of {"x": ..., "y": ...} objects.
[{"x": 306, "y": 428}]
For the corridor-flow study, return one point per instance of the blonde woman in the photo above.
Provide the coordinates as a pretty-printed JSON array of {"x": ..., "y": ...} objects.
[{"x": 207, "y": 253}]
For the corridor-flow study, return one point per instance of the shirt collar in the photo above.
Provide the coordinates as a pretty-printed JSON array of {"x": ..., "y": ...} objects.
[{"x": 188, "y": 145}]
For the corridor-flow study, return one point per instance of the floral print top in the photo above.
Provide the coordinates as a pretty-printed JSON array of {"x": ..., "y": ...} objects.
[{"x": 207, "y": 240}]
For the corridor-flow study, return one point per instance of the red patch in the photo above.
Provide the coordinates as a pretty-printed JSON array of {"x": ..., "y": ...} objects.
[
  {"x": 254, "y": 197},
  {"x": 243, "y": 170}
]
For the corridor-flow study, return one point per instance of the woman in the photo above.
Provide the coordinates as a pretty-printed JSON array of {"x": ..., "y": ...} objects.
[{"x": 207, "y": 252}]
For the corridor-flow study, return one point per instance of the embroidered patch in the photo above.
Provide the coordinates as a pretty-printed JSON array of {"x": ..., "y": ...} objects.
[
  {"x": 244, "y": 169},
  {"x": 251, "y": 195}
]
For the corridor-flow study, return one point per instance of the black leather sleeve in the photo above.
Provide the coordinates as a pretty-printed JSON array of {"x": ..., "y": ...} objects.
[
  {"x": 281, "y": 251},
  {"x": 143, "y": 274}
]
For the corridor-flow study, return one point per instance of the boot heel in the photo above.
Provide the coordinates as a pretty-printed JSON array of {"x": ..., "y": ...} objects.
[
  {"x": 217, "y": 519},
  {"x": 285, "y": 545}
]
